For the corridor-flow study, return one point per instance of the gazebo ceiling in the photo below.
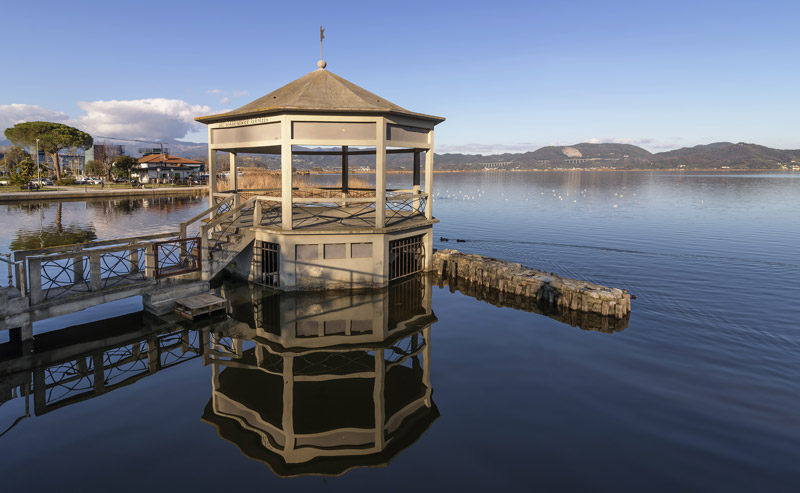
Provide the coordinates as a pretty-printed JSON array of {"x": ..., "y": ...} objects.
[{"x": 318, "y": 92}]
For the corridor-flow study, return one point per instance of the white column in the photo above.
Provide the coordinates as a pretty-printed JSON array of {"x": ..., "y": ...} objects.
[
  {"x": 415, "y": 180},
  {"x": 345, "y": 175},
  {"x": 286, "y": 174},
  {"x": 429, "y": 177},
  {"x": 380, "y": 174},
  {"x": 232, "y": 180},
  {"x": 211, "y": 169}
]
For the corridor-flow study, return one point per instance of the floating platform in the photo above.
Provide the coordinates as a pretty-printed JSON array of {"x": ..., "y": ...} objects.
[
  {"x": 202, "y": 304},
  {"x": 550, "y": 289}
]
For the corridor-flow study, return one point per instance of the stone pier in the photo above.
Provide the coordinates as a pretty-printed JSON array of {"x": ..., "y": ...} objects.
[{"x": 550, "y": 289}]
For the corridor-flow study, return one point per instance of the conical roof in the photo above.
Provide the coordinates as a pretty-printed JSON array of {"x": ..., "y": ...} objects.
[{"x": 320, "y": 91}]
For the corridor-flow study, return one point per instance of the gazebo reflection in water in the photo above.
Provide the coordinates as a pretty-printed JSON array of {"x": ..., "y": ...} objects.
[{"x": 321, "y": 383}]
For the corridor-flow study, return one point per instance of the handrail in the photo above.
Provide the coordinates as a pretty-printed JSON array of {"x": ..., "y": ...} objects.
[
  {"x": 223, "y": 217},
  {"x": 21, "y": 254},
  {"x": 184, "y": 226},
  {"x": 355, "y": 200},
  {"x": 200, "y": 215},
  {"x": 98, "y": 251}
]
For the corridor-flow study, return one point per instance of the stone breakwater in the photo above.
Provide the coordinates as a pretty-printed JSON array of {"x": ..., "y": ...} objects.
[
  {"x": 575, "y": 318},
  {"x": 550, "y": 289}
]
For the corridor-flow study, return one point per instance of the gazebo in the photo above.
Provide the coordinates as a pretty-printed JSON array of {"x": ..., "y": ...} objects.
[{"x": 328, "y": 237}]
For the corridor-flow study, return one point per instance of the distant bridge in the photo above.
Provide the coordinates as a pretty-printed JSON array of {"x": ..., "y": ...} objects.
[{"x": 496, "y": 165}]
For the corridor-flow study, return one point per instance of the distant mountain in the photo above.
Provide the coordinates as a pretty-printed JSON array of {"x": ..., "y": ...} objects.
[
  {"x": 176, "y": 147},
  {"x": 591, "y": 151},
  {"x": 720, "y": 154},
  {"x": 583, "y": 155},
  {"x": 187, "y": 149}
]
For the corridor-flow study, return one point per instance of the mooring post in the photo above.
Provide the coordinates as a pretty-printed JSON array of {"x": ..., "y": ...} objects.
[
  {"x": 35, "y": 269},
  {"x": 94, "y": 271},
  {"x": 77, "y": 264},
  {"x": 133, "y": 257},
  {"x": 182, "y": 244},
  {"x": 150, "y": 261},
  {"x": 22, "y": 279}
]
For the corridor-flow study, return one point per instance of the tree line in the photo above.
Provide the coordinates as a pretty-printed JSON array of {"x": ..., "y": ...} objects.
[{"x": 51, "y": 138}]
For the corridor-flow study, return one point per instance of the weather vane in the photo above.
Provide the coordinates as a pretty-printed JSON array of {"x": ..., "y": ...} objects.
[{"x": 321, "y": 37}]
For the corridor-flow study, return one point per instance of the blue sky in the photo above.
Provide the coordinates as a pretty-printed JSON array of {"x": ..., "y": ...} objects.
[{"x": 508, "y": 76}]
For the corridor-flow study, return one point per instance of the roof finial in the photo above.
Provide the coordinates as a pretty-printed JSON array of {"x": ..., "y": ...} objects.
[{"x": 321, "y": 63}]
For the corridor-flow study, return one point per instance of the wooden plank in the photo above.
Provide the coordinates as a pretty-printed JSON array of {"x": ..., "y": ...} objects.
[{"x": 201, "y": 304}]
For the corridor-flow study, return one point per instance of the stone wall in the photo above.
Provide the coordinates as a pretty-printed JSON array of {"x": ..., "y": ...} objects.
[
  {"x": 512, "y": 278},
  {"x": 575, "y": 318}
]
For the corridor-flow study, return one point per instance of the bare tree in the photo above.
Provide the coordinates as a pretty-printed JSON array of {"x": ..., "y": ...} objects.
[{"x": 106, "y": 154}]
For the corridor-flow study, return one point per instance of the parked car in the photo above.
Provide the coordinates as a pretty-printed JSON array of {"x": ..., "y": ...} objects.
[
  {"x": 5, "y": 181},
  {"x": 94, "y": 181}
]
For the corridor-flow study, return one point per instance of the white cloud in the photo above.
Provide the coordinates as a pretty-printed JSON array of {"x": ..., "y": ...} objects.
[
  {"x": 610, "y": 140},
  {"x": 486, "y": 149},
  {"x": 155, "y": 118},
  {"x": 214, "y": 91},
  {"x": 225, "y": 100},
  {"x": 239, "y": 94},
  {"x": 646, "y": 143},
  {"x": 11, "y": 114}
]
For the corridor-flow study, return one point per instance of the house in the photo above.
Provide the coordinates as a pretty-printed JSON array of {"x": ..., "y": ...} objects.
[{"x": 165, "y": 168}]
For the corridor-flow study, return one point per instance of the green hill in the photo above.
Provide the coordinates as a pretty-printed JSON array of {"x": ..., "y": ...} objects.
[{"x": 722, "y": 154}]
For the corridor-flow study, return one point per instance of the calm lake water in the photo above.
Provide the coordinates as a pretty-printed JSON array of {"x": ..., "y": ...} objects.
[{"x": 700, "y": 392}]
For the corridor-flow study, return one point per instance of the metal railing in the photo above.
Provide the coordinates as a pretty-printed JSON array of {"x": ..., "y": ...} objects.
[
  {"x": 327, "y": 206},
  {"x": 175, "y": 257},
  {"x": 68, "y": 271},
  {"x": 406, "y": 257},
  {"x": 76, "y": 273}
]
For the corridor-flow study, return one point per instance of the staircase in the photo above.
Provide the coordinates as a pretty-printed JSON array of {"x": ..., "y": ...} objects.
[{"x": 226, "y": 234}]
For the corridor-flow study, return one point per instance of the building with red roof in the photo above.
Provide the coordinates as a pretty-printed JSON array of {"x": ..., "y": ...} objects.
[{"x": 161, "y": 168}]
